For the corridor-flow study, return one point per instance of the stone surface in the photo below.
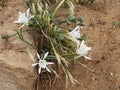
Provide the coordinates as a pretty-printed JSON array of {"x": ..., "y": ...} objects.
[{"x": 16, "y": 72}]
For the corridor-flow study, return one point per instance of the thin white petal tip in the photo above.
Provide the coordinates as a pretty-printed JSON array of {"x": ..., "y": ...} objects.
[{"x": 87, "y": 58}]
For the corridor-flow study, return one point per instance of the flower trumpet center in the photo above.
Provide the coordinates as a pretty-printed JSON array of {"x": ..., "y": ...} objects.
[{"x": 42, "y": 64}]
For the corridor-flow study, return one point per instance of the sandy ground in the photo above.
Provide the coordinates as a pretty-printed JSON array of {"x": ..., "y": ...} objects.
[{"x": 103, "y": 36}]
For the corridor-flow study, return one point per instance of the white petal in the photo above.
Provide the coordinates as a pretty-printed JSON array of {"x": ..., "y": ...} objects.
[
  {"x": 46, "y": 54},
  {"x": 38, "y": 55},
  {"x": 21, "y": 26},
  {"x": 17, "y": 21},
  {"x": 82, "y": 43},
  {"x": 84, "y": 47},
  {"x": 28, "y": 10},
  {"x": 76, "y": 28},
  {"x": 78, "y": 51},
  {"x": 75, "y": 33},
  {"x": 48, "y": 69},
  {"x": 86, "y": 57},
  {"x": 34, "y": 64},
  {"x": 50, "y": 63},
  {"x": 39, "y": 70},
  {"x": 31, "y": 17}
]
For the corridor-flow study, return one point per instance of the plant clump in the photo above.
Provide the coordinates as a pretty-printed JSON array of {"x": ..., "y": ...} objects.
[{"x": 60, "y": 46}]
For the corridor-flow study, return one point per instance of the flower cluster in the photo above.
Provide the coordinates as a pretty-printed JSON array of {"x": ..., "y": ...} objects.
[
  {"x": 56, "y": 40},
  {"x": 82, "y": 49}
]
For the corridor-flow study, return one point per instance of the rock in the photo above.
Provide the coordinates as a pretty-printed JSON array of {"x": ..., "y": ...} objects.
[{"x": 16, "y": 72}]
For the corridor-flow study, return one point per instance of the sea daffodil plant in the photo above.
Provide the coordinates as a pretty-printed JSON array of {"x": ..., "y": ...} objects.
[{"x": 53, "y": 37}]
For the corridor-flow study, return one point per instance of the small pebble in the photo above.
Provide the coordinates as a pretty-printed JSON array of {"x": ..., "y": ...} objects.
[{"x": 111, "y": 74}]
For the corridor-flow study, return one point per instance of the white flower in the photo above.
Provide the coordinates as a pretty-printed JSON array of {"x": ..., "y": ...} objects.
[
  {"x": 83, "y": 50},
  {"x": 24, "y": 18},
  {"x": 75, "y": 33},
  {"x": 42, "y": 63}
]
